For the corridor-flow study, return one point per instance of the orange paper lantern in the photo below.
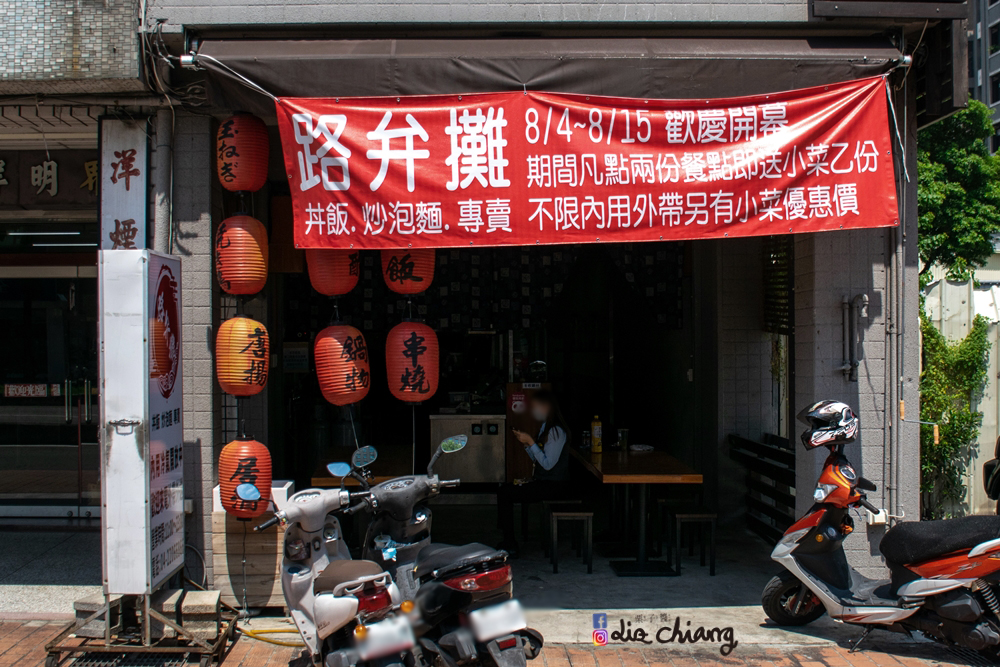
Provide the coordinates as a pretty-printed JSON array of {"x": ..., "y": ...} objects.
[
  {"x": 242, "y": 354},
  {"x": 241, "y": 255},
  {"x": 244, "y": 461},
  {"x": 241, "y": 153},
  {"x": 408, "y": 271},
  {"x": 333, "y": 272},
  {"x": 411, "y": 359},
  {"x": 342, "y": 364}
]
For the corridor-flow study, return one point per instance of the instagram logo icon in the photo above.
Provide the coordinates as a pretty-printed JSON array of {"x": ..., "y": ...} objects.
[{"x": 600, "y": 629}]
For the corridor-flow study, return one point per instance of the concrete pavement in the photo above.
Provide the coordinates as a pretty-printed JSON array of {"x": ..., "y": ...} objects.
[{"x": 22, "y": 642}]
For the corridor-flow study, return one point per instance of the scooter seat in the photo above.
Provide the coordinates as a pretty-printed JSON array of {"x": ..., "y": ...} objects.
[
  {"x": 917, "y": 541},
  {"x": 342, "y": 571},
  {"x": 451, "y": 558}
]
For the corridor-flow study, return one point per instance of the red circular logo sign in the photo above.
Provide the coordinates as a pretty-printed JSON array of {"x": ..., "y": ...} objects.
[{"x": 165, "y": 352}]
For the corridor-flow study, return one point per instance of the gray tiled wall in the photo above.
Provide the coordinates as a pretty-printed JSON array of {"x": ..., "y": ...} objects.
[
  {"x": 68, "y": 46},
  {"x": 194, "y": 177}
]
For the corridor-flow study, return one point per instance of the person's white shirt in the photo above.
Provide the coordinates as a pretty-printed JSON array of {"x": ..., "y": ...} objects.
[{"x": 549, "y": 456}]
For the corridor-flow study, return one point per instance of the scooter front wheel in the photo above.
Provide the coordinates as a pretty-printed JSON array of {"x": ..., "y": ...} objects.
[{"x": 787, "y": 601}]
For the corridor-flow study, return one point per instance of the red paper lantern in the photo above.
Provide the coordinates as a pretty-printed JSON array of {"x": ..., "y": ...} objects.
[
  {"x": 342, "y": 364},
  {"x": 408, "y": 271},
  {"x": 241, "y": 255},
  {"x": 242, "y": 354},
  {"x": 244, "y": 461},
  {"x": 333, "y": 272},
  {"x": 411, "y": 359},
  {"x": 241, "y": 152}
]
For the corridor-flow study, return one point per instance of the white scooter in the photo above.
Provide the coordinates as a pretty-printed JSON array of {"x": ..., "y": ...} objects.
[{"x": 348, "y": 612}]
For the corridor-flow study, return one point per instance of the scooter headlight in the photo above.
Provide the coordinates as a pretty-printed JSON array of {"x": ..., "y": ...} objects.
[
  {"x": 792, "y": 538},
  {"x": 823, "y": 491},
  {"x": 788, "y": 543}
]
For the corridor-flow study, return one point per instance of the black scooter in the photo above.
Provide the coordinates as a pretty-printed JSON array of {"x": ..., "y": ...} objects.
[{"x": 465, "y": 610}]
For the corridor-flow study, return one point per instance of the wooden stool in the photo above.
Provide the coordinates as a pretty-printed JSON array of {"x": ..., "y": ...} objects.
[
  {"x": 546, "y": 519},
  {"x": 701, "y": 519},
  {"x": 559, "y": 513}
]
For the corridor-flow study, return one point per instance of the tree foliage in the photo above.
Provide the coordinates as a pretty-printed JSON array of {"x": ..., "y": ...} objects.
[
  {"x": 958, "y": 192},
  {"x": 953, "y": 377}
]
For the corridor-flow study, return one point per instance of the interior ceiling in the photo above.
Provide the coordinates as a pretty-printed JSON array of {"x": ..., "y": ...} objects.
[{"x": 36, "y": 127}]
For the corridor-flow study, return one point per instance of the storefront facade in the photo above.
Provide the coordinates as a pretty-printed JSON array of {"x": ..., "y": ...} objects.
[
  {"x": 726, "y": 362},
  {"x": 55, "y": 85}
]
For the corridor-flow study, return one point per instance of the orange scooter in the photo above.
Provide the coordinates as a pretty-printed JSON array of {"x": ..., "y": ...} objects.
[{"x": 943, "y": 575}]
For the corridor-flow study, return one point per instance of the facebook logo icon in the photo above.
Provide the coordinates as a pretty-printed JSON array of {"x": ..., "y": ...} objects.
[{"x": 600, "y": 629}]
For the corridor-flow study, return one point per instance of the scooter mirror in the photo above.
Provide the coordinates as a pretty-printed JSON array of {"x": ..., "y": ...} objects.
[
  {"x": 364, "y": 457},
  {"x": 454, "y": 443},
  {"x": 339, "y": 469},
  {"x": 248, "y": 492}
]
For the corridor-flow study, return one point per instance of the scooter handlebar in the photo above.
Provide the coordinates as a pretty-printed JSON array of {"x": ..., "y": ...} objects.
[
  {"x": 354, "y": 509},
  {"x": 267, "y": 524},
  {"x": 868, "y": 506},
  {"x": 449, "y": 483}
]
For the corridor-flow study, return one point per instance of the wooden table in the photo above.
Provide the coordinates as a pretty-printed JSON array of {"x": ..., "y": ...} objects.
[{"x": 641, "y": 468}]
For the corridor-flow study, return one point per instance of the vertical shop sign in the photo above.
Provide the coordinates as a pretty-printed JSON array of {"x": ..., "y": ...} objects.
[
  {"x": 142, "y": 459},
  {"x": 166, "y": 444},
  {"x": 123, "y": 172},
  {"x": 528, "y": 167}
]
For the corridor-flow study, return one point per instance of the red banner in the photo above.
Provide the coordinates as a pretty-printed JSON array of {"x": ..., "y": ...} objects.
[{"x": 528, "y": 168}]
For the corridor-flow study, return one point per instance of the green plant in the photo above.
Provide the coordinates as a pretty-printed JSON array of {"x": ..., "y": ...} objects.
[
  {"x": 953, "y": 377},
  {"x": 958, "y": 192}
]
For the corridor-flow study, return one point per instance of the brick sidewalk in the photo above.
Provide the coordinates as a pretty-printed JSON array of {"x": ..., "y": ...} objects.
[{"x": 21, "y": 645}]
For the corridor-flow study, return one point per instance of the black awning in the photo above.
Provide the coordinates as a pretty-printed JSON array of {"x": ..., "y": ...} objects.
[{"x": 682, "y": 68}]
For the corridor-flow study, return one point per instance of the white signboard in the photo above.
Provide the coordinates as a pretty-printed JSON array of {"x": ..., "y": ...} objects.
[
  {"x": 142, "y": 461},
  {"x": 123, "y": 168}
]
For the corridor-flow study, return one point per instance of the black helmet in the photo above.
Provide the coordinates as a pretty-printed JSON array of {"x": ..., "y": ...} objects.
[{"x": 830, "y": 423}]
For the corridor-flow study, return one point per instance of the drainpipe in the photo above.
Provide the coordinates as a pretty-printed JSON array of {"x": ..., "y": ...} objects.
[
  {"x": 845, "y": 313},
  {"x": 859, "y": 307},
  {"x": 162, "y": 181}
]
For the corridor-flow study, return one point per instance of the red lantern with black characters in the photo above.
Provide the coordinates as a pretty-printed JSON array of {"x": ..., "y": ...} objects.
[
  {"x": 244, "y": 461},
  {"x": 408, "y": 271},
  {"x": 241, "y": 153},
  {"x": 241, "y": 255},
  {"x": 242, "y": 354},
  {"x": 411, "y": 359},
  {"x": 342, "y": 364},
  {"x": 333, "y": 272}
]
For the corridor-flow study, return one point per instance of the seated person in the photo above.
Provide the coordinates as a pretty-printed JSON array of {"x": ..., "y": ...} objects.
[{"x": 549, "y": 453}]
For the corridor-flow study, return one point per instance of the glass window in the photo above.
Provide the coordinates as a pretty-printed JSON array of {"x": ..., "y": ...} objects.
[
  {"x": 995, "y": 88},
  {"x": 994, "y": 37}
]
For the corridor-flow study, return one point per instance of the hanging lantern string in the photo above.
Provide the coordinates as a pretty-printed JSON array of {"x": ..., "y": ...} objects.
[
  {"x": 245, "y": 612},
  {"x": 414, "y": 407},
  {"x": 242, "y": 79},
  {"x": 336, "y": 309},
  {"x": 409, "y": 305},
  {"x": 240, "y": 418},
  {"x": 350, "y": 411}
]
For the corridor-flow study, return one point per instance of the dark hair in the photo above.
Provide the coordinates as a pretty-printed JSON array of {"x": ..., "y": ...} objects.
[{"x": 555, "y": 414}]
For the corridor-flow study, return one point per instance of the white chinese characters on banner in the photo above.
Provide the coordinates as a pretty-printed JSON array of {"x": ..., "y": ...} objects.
[
  {"x": 123, "y": 177},
  {"x": 509, "y": 168}
]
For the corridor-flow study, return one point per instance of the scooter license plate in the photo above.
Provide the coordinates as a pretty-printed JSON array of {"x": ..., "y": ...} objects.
[
  {"x": 496, "y": 621},
  {"x": 386, "y": 637}
]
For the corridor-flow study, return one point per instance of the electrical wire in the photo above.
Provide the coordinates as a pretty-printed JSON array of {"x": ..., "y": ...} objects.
[
  {"x": 204, "y": 567},
  {"x": 256, "y": 634}
]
